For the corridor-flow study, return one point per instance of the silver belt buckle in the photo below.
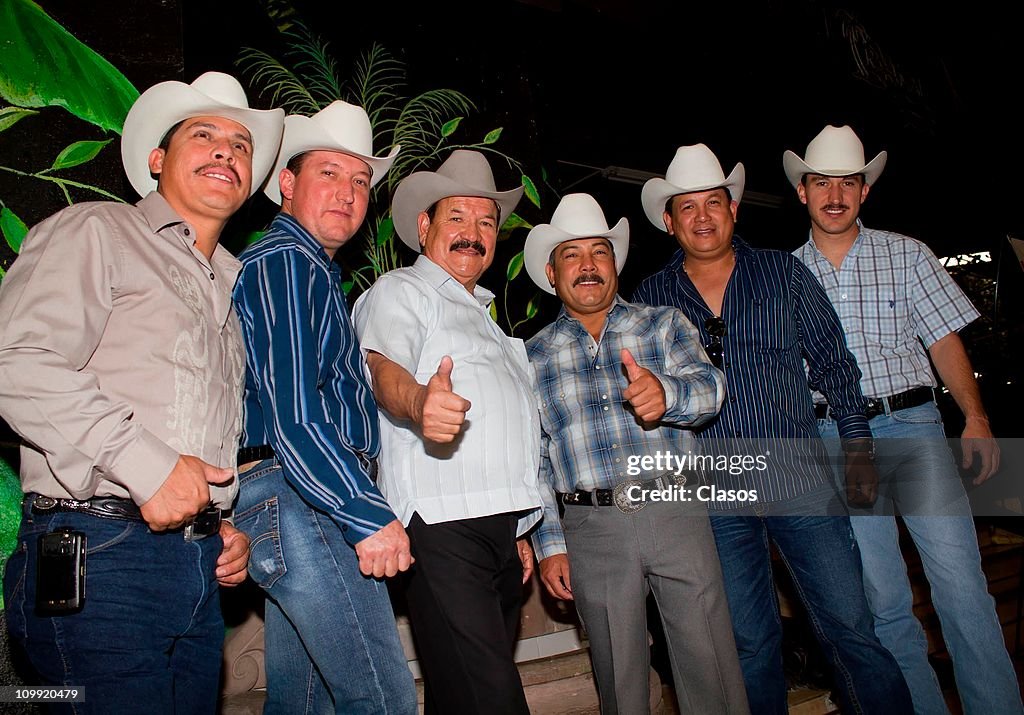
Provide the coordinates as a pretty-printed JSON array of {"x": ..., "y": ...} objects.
[
  {"x": 205, "y": 523},
  {"x": 622, "y": 500}
]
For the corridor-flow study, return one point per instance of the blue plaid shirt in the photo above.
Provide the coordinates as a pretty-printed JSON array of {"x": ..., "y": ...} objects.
[
  {"x": 891, "y": 293},
  {"x": 305, "y": 391},
  {"x": 587, "y": 433},
  {"x": 776, "y": 317}
]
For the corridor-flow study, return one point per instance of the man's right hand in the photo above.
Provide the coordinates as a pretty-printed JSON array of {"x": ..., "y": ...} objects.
[
  {"x": 386, "y": 552},
  {"x": 439, "y": 411},
  {"x": 554, "y": 572},
  {"x": 184, "y": 493}
]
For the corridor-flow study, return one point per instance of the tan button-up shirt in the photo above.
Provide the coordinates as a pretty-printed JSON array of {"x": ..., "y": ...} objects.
[{"x": 119, "y": 350}]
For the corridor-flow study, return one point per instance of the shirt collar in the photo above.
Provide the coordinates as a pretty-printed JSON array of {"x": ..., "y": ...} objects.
[
  {"x": 816, "y": 253},
  {"x": 740, "y": 247},
  {"x": 617, "y": 312},
  {"x": 438, "y": 277},
  {"x": 157, "y": 212},
  {"x": 289, "y": 225}
]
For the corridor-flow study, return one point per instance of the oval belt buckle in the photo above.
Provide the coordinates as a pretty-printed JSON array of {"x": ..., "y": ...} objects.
[{"x": 622, "y": 500}]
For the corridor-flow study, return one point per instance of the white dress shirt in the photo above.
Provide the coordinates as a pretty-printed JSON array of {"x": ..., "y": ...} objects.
[{"x": 415, "y": 316}]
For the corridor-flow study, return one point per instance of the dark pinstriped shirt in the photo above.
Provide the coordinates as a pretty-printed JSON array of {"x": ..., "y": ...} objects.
[
  {"x": 777, "y": 316},
  {"x": 305, "y": 391}
]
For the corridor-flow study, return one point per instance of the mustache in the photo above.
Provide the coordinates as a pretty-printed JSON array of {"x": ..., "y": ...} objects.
[
  {"x": 226, "y": 168},
  {"x": 837, "y": 206},
  {"x": 588, "y": 277},
  {"x": 462, "y": 243}
]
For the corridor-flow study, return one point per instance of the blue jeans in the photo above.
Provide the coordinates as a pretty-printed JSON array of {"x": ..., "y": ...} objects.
[
  {"x": 914, "y": 458},
  {"x": 331, "y": 640},
  {"x": 821, "y": 556},
  {"x": 151, "y": 631}
]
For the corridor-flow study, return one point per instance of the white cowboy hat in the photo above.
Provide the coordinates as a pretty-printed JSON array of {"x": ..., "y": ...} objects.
[
  {"x": 340, "y": 127},
  {"x": 577, "y": 216},
  {"x": 212, "y": 94},
  {"x": 694, "y": 168},
  {"x": 836, "y": 151},
  {"x": 464, "y": 173}
]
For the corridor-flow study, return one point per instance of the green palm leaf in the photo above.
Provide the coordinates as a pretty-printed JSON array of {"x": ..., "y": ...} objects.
[{"x": 284, "y": 88}]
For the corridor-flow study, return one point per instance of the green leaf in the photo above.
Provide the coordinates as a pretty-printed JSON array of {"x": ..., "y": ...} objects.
[
  {"x": 450, "y": 126},
  {"x": 544, "y": 175},
  {"x": 513, "y": 222},
  {"x": 531, "y": 307},
  {"x": 10, "y": 115},
  {"x": 45, "y": 66},
  {"x": 493, "y": 311},
  {"x": 253, "y": 236},
  {"x": 492, "y": 136},
  {"x": 2, "y": 273},
  {"x": 385, "y": 231},
  {"x": 514, "y": 267},
  {"x": 346, "y": 286},
  {"x": 13, "y": 227},
  {"x": 531, "y": 191},
  {"x": 78, "y": 153}
]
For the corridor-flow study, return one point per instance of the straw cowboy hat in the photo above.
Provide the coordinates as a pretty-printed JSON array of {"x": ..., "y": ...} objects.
[
  {"x": 694, "y": 168},
  {"x": 340, "y": 127},
  {"x": 464, "y": 173},
  {"x": 836, "y": 151},
  {"x": 577, "y": 216},
  {"x": 212, "y": 94}
]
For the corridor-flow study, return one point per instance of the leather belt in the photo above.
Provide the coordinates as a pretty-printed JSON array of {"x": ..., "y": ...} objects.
[
  {"x": 205, "y": 523},
  {"x": 876, "y": 405},
  {"x": 607, "y": 497},
  {"x": 247, "y": 455},
  {"x": 255, "y": 454}
]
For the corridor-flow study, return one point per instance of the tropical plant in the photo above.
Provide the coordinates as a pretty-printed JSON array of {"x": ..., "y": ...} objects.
[
  {"x": 427, "y": 125},
  {"x": 45, "y": 66}
]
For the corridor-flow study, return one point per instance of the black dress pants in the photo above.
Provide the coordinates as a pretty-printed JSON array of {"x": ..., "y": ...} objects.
[{"x": 464, "y": 596}]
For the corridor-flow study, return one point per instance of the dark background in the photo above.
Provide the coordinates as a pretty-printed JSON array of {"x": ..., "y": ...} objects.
[{"x": 623, "y": 83}]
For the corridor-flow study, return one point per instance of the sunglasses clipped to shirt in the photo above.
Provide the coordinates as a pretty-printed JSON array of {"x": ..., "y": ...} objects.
[{"x": 715, "y": 328}]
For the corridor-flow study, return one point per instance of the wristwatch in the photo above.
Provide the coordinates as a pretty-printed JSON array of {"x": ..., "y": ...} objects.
[{"x": 860, "y": 445}]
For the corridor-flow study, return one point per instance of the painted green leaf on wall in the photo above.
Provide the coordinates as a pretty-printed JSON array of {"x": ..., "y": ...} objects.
[
  {"x": 14, "y": 229},
  {"x": 10, "y": 115},
  {"x": 513, "y": 222},
  {"x": 78, "y": 153},
  {"x": 531, "y": 191},
  {"x": 450, "y": 126},
  {"x": 531, "y": 307},
  {"x": 492, "y": 136},
  {"x": 45, "y": 66},
  {"x": 514, "y": 266},
  {"x": 385, "y": 230}
]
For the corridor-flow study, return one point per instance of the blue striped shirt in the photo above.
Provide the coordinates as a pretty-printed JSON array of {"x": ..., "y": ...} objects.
[
  {"x": 776, "y": 316},
  {"x": 306, "y": 394},
  {"x": 588, "y": 435}
]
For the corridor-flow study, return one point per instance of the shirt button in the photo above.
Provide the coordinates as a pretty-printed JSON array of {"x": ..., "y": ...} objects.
[
  {"x": 604, "y": 397},
  {"x": 598, "y": 367},
  {"x": 614, "y": 446},
  {"x": 211, "y": 276},
  {"x": 843, "y": 296},
  {"x": 606, "y": 408},
  {"x": 732, "y": 399},
  {"x": 187, "y": 232},
  {"x": 617, "y": 460}
]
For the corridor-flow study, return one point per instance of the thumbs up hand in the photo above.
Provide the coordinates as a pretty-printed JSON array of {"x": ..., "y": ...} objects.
[
  {"x": 439, "y": 411},
  {"x": 645, "y": 392}
]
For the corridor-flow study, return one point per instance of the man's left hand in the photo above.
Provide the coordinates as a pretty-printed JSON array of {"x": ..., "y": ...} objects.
[
  {"x": 234, "y": 557},
  {"x": 526, "y": 557},
  {"x": 861, "y": 480},
  {"x": 645, "y": 392},
  {"x": 977, "y": 438}
]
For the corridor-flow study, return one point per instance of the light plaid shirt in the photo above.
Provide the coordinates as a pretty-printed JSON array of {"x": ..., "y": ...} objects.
[
  {"x": 587, "y": 432},
  {"x": 890, "y": 291}
]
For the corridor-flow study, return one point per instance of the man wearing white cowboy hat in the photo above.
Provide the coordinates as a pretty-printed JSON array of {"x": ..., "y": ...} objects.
[
  {"x": 617, "y": 382},
  {"x": 310, "y": 441},
  {"x": 122, "y": 369},
  {"x": 899, "y": 307},
  {"x": 761, "y": 315},
  {"x": 460, "y": 435}
]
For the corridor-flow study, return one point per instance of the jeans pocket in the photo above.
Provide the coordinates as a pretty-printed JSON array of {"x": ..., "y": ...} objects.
[
  {"x": 261, "y": 523},
  {"x": 575, "y": 517}
]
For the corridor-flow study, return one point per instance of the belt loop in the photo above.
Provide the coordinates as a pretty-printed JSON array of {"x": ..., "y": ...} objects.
[
  {"x": 887, "y": 406},
  {"x": 595, "y": 503}
]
